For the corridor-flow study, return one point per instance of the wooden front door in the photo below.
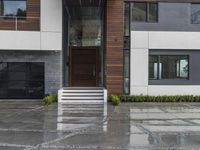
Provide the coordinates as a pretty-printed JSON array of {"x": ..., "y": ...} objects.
[{"x": 84, "y": 66}]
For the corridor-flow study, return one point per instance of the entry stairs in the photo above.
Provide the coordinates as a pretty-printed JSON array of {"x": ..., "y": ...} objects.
[{"x": 81, "y": 95}]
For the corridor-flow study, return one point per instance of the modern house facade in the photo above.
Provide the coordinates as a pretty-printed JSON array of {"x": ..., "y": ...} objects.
[{"x": 127, "y": 47}]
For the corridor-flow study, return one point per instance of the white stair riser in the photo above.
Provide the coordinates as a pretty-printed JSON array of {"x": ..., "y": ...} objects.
[
  {"x": 82, "y": 98},
  {"x": 82, "y": 91},
  {"x": 83, "y": 88},
  {"x": 81, "y": 102},
  {"x": 82, "y": 94}
]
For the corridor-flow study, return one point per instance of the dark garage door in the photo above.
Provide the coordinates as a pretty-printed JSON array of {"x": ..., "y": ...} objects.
[{"x": 21, "y": 80}]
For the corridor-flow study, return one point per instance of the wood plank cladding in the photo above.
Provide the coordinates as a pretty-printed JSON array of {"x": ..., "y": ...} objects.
[
  {"x": 171, "y": 1},
  {"x": 31, "y": 23},
  {"x": 114, "y": 46}
]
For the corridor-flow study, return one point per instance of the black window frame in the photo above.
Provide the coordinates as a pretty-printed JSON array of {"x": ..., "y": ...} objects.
[
  {"x": 14, "y": 16},
  {"x": 147, "y": 12},
  {"x": 191, "y": 21},
  {"x": 158, "y": 68}
]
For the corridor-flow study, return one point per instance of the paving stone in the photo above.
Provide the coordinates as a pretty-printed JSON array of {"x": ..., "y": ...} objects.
[{"x": 130, "y": 126}]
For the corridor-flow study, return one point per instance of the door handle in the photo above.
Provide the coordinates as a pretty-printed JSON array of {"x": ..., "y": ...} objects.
[{"x": 94, "y": 71}]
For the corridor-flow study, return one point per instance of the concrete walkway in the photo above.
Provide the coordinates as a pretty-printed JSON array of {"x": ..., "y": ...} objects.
[{"x": 30, "y": 126}]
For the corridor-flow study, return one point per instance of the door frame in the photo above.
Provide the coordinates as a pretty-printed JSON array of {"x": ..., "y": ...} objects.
[{"x": 97, "y": 62}]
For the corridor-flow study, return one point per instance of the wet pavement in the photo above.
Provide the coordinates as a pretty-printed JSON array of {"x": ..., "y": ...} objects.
[{"x": 130, "y": 126}]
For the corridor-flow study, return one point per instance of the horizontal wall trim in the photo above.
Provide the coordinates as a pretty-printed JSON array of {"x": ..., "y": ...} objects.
[
  {"x": 30, "y": 40},
  {"x": 173, "y": 90},
  {"x": 165, "y": 40},
  {"x": 157, "y": 90}
]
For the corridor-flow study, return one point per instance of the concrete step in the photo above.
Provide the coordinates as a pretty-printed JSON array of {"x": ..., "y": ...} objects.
[
  {"x": 82, "y": 95},
  {"x": 83, "y": 88},
  {"x": 82, "y": 91}
]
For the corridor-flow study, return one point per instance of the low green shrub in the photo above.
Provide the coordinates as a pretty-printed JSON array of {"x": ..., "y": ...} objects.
[
  {"x": 145, "y": 98},
  {"x": 115, "y": 100},
  {"x": 49, "y": 99}
]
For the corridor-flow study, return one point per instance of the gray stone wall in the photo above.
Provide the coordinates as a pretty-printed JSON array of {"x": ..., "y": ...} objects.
[{"x": 52, "y": 60}]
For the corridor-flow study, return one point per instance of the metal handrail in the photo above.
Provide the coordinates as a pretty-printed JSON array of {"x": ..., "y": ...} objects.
[{"x": 17, "y": 18}]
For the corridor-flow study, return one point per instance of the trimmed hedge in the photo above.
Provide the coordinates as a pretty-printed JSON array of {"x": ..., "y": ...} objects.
[
  {"x": 49, "y": 99},
  {"x": 115, "y": 100},
  {"x": 146, "y": 98}
]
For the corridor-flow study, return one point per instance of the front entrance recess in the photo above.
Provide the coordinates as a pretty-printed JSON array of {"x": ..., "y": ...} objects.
[{"x": 84, "y": 43}]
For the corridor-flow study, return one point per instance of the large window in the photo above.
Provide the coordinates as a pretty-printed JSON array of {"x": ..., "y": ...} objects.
[
  {"x": 195, "y": 13},
  {"x": 168, "y": 67},
  {"x": 144, "y": 12},
  {"x": 13, "y": 8}
]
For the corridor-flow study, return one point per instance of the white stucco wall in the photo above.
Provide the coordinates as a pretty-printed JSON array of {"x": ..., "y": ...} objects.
[
  {"x": 51, "y": 15},
  {"x": 48, "y": 38},
  {"x": 141, "y": 42}
]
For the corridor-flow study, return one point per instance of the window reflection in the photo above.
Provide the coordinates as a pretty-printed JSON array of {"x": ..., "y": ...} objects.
[
  {"x": 127, "y": 19},
  {"x": 139, "y": 12},
  {"x": 10, "y": 8},
  {"x": 168, "y": 67},
  {"x": 195, "y": 16},
  {"x": 126, "y": 72},
  {"x": 126, "y": 48},
  {"x": 174, "y": 67},
  {"x": 144, "y": 12},
  {"x": 153, "y": 67},
  {"x": 153, "y": 12},
  {"x": 86, "y": 26}
]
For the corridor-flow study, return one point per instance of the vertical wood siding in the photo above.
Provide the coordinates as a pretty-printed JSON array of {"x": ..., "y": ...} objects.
[{"x": 114, "y": 46}]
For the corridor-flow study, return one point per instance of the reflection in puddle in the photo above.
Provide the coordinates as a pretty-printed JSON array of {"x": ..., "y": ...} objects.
[
  {"x": 77, "y": 126},
  {"x": 165, "y": 127},
  {"x": 79, "y": 116}
]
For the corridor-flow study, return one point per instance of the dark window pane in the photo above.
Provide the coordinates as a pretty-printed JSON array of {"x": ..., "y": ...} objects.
[
  {"x": 3, "y": 93},
  {"x": 153, "y": 67},
  {"x": 13, "y": 76},
  {"x": 17, "y": 67},
  {"x": 36, "y": 76},
  {"x": 16, "y": 89},
  {"x": 12, "y": 8},
  {"x": 36, "y": 86},
  {"x": 195, "y": 16},
  {"x": 16, "y": 85},
  {"x": 126, "y": 72},
  {"x": 126, "y": 42},
  {"x": 3, "y": 76},
  {"x": 126, "y": 19},
  {"x": 3, "y": 66},
  {"x": 172, "y": 67},
  {"x": 153, "y": 12},
  {"x": 3, "y": 84},
  {"x": 37, "y": 67},
  {"x": 139, "y": 12},
  {"x": 3, "y": 89},
  {"x": 36, "y": 89}
]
